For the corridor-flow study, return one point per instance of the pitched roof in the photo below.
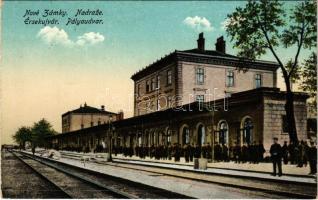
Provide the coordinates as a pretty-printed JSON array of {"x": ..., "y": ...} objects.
[
  {"x": 209, "y": 52},
  {"x": 207, "y": 57},
  {"x": 88, "y": 110}
]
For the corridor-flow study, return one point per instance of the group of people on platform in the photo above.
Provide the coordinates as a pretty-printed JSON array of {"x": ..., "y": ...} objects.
[
  {"x": 253, "y": 153},
  {"x": 299, "y": 154}
]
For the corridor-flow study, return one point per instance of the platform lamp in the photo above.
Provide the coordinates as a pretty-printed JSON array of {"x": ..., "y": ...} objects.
[
  {"x": 110, "y": 129},
  {"x": 111, "y": 143}
]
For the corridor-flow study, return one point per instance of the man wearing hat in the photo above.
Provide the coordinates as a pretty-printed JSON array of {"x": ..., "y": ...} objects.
[
  {"x": 276, "y": 156},
  {"x": 312, "y": 155}
]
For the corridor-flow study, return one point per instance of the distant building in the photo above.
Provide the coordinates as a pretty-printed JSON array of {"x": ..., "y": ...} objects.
[
  {"x": 87, "y": 116},
  {"x": 197, "y": 74}
]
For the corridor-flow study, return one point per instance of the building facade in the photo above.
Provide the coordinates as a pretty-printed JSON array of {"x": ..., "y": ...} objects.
[
  {"x": 256, "y": 115},
  {"x": 87, "y": 116},
  {"x": 193, "y": 97},
  {"x": 198, "y": 74}
]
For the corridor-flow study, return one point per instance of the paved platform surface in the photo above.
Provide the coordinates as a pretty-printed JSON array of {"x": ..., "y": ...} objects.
[
  {"x": 224, "y": 171},
  {"x": 192, "y": 188},
  {"x": 261, "y": 167}
]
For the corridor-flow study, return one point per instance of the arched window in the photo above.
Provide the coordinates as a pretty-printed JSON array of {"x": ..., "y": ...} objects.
[
  {"x": 185, "y": 135},
  {"x": 223, "y": 132},
  {"x": 248, "y": 131},
  {"x": 201, "y": 135}
]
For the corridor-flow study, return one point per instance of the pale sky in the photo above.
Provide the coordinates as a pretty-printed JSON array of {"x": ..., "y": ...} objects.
[{"x": 47, "y": 71}]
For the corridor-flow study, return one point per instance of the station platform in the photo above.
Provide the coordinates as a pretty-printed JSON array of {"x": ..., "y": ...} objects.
[
  {"x": 193, "y": 184},
  {"x": 225, "y": 171},
  {"x": 263, "y": 168}
]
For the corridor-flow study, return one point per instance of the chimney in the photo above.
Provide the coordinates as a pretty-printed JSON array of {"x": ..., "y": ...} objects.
[
  {"x": 201, "y": 42},
  {"x": 102, "y": 108},
  {"x": 85, "y": 104},
  {"x": 220, "y": 45},
  {"x": 120, "y": 115}
]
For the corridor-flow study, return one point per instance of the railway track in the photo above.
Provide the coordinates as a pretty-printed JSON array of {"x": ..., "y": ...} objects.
[
  {"x": 81, "y": 183},
  {"x": 20, "y": 181},
  {"x": 73, "y": 185}
]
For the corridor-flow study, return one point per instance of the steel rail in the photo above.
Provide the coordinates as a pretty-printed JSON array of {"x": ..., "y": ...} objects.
[
  {"x": 41, "y": 175},
  {"x": 142, "y": 186},
  {"x": 115, "y": 192}
]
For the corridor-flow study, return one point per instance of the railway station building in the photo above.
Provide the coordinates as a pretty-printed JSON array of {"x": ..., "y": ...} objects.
[
  {"x": 254, "y": 115},
  {"x": 198, "y": 96}
]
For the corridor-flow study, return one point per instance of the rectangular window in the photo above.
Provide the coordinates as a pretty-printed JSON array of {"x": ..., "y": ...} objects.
[
  {"x": 199, "y": 98},
  {"x": 284, "y": 124},
  {"x": 158, "y": 82},
  {"x": 200, "y": 75},
  {"x": 153, "y": 84},
  {"x": 258, "y": 80},
  {"x": 169, "y": 77},
  {"x": 147, "y": 86},
  {"x": 229, "y": 79}
]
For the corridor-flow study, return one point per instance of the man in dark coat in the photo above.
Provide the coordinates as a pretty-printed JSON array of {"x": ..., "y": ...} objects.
[
  {"x": 244, "y": 153},
  {"x": 225, "y": 153},
  {"x": 301, "y": 154},
  {"x": 191, "y": 152},
  {"x": 237, "y": 152},
  {"x": 203, "y": 149},
  {"x": 276, "y": 156},
  {"x": 197, "y": 151},
  {"x": 285, "y": 153},
  {"x": 186, "y": 150},
  {"x": 217, "y": 152},
  {"x": 152, "y": 151},
  {"x": 209, "y": 152},
  {"x": 177, "y": 153},
  {"x": 253, "y": 153},
  {"x": 261, "y": 151},
  {"x": 306, "y": 149},
  {"x": 312, "y": 157},
  {"x": 291, "y": 151},
  {"x": 169, "y": 152}
]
